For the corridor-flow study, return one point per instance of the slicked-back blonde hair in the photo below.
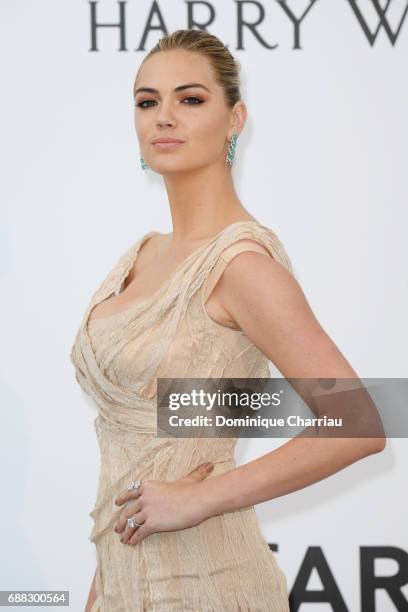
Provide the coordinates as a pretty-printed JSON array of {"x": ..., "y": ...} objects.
[{"x": 225, "y": 67}]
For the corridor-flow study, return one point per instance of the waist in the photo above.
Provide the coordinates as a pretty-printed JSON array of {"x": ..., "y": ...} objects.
[{"x": 127, "y": 424}]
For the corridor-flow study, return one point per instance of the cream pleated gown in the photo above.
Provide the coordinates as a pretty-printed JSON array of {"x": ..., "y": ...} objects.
[{"x": 223, "y": 564}]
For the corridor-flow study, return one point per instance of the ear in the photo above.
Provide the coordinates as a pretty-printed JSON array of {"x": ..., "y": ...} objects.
[{"x": 239, "y": 115}]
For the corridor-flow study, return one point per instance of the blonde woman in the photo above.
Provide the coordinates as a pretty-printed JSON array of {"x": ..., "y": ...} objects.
[{"x": 216, "y": 297}]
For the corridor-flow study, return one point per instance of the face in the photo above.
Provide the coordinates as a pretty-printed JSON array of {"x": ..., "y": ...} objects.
[{"x": 197, "y": 115}]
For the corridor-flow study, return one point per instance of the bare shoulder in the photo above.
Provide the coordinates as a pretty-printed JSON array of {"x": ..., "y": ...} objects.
[
  {"x": 152, "y": 247},
  {"x": 269, "y": 305},
  {"x": 253, "y": 277},
  {"x": 227, "y": 272},
  {"x": 147, "y": 255}
]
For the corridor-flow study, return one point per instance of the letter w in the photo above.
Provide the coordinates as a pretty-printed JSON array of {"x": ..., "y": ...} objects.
[{"x": 381, "y": 12}]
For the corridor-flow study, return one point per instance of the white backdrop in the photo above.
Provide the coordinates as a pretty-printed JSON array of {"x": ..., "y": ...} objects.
[{"x": 322, "y": 161}]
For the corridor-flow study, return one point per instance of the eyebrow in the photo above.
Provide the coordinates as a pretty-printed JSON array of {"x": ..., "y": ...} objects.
[{"x": 179, "y": 88}]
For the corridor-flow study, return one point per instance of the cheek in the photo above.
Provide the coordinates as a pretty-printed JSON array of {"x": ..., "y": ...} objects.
[
  {"x": 141, "y": 125},
  {"x": 140, "y": 120},
  {"x": 214, "y": 124}
]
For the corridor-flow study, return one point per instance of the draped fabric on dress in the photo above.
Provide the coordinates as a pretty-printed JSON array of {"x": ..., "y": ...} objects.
[{"x": 224, "y": 564}]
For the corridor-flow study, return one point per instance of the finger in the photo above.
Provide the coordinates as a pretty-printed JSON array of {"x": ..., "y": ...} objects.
[
  {"x": 139, "y": 535},
  {"x": 199, "y": 473},
  {"x": 121, "y": 523},
  {"x": 126, "y": 495},
  {"x": 129, "y": 531}
]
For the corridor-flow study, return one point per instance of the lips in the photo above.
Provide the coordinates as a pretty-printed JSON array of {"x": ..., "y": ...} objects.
[{"x": 167, "y": 141}]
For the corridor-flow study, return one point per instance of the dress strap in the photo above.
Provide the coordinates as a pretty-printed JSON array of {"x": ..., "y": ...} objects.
[{"x": 225, "y": 257}]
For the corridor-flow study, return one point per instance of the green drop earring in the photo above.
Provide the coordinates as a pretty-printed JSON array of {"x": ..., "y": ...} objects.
[
  {"x": 231, "y": 149},
  {"x": 143, "y": 164}
]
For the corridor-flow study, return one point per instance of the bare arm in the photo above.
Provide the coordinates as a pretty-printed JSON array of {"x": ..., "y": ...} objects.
[
  {"x": 91, "y": 596},
  {"x": 268, "y": 304}
]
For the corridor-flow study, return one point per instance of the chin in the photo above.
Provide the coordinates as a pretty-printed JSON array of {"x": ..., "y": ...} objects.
[{"x": 173, "y": 166}]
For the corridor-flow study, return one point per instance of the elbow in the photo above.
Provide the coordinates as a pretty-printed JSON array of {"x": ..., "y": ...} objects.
[
  {"x": 364, "y": 447},
  {"x": 377, "y": 445}
]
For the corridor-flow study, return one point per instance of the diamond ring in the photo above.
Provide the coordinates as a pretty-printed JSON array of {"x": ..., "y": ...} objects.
[
  {"x": 134, "y": 484},
  {"x": 132, "y": 523}
]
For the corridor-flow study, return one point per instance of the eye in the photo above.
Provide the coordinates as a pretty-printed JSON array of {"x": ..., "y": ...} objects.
[
  {"x": 140, "y": 104},
  {"x": 197, "y": 101}
]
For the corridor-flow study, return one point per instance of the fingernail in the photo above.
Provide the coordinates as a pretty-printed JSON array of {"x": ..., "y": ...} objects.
[{"x": 209, "y": 466}]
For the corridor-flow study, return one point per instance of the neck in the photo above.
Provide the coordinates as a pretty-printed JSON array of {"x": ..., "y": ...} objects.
[{"x": 202, "y": 202}]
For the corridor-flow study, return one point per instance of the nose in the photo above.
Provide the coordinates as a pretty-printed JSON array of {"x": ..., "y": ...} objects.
[
  {"x": 164, "y": 123},
  {"x": 164, "y": 117}
]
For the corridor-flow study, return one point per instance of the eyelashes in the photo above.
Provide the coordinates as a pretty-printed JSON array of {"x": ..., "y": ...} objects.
[{"x": 198, "y": 101}]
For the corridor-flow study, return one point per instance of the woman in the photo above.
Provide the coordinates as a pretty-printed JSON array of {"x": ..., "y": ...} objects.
[{"x": 215, "y": 298}]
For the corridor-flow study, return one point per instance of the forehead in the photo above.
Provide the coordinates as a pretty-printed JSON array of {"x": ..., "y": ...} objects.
[{"x": 167, "y": 69}]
